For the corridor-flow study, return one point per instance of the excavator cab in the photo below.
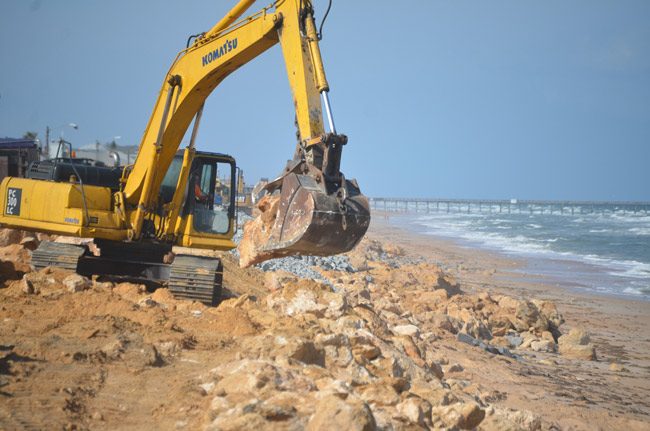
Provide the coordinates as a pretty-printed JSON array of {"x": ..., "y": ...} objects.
[
  {"x": 206, "y": 183},
  {"x": 212, "y": 213}
]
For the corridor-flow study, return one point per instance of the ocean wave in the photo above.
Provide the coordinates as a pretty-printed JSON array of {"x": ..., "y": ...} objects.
[
  {"x": 631, "y": 290},
  {"x": 630, "y": 218},
  {"x": 610, "y": 267},
  {"x": 632, "y": 269},
  {"x": 515, "y": 244},
  {"x": 640, "y": 230},
  {"x": 498, "y": 223}
]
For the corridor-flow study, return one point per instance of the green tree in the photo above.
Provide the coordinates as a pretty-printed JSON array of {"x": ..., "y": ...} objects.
[{"x": 30, "y": 135}]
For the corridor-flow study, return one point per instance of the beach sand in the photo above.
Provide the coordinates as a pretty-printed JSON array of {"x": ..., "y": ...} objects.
[
  {"x": 385, "y": 346},
  {"x": 575, "y": 394}
]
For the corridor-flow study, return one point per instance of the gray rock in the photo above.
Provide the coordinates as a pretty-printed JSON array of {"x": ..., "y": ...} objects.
[
  {"x": 468, "y": 339},
  {"x": 514, "y": 340}
]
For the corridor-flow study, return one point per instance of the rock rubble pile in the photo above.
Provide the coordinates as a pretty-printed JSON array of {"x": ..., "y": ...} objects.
[{"x": 356, "y": 347}]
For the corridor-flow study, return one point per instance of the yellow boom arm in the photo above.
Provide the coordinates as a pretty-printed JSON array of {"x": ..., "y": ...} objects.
[{"x": 198, "y": 70}]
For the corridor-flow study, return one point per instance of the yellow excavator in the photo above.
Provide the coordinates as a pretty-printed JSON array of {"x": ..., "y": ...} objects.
[
  {"x": 244, "y": 200},
  {"x": 167, "y": 197}
]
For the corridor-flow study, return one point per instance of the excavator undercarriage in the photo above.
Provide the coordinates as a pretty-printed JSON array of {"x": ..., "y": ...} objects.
[{"x": 195, "y": 278}]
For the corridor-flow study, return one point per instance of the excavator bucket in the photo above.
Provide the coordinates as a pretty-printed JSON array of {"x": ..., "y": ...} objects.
[{"x": 304, "y": 219}]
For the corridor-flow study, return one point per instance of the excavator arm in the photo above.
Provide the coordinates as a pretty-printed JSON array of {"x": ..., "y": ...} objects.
[{"x": 315, "y": 209}]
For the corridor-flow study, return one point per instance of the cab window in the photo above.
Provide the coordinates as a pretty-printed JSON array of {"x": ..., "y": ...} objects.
[{"x": 210, "y": 186}]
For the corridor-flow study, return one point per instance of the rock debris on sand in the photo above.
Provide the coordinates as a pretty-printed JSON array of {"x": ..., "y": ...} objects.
[{"x": 360, "y": 346}]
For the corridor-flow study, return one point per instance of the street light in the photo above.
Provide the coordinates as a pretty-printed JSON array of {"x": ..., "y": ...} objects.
[{"x": 75, "y": 126}]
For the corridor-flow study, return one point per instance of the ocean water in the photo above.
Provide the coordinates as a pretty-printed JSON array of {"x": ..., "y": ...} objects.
[{"x": 606, "y": 253}]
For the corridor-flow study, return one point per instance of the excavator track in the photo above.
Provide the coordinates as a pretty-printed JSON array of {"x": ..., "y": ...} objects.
[
  {"x": 57, "y": 254},
  {"x": 193, "y": 278},
  {"x": 196, "y": 278}
]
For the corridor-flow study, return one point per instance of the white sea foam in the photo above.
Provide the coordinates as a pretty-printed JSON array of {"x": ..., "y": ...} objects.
[
  {"x": 637, "y": 290},
  {"x": 631, "y": 218},
  {"x": 612, "y": 275}
]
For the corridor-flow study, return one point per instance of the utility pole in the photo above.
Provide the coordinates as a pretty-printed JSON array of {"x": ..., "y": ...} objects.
[{"x": 47, "y": 143}]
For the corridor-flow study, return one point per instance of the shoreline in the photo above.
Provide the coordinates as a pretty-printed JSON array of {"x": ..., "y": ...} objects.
[
  {"x": 619, "y": 328},
  {"x": 553, "y": 269},
  {"x": 612, "y": 319}
]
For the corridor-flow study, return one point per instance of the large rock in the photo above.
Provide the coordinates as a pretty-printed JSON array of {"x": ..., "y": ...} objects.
[
  {"x": 308, "y": 296},
  {"x": 528, "y": 316},
  {"x": 463, "y": 416},
  {"x": 434, "y": 394},
  {"x": 76, "y": 283},
  {"x": 577, "y": 345},
  {"x": 379, "y": 394},
  {"x": 409, "y": 330},
  {"x": 304, "y": 351},
  {"x": 245, "y": 378},
  {"x": 507, "y": 303},
  {"x": 17, "y": 258},
  {"x": 543, "y": 346},
  {"x": 333, "y": 413},
  {"x": 550, "y": 311},
  {"x": 499, "y": 419},
  {"x": 33, "y": 282},
  {"x": 29, "y": 287},
  {"x": 441, "y": 321},
  {"x": 257, "y": 233},
  {"x": 10, "y": 236},
  {"x": 275, "y": 280},
  {"x": 476, "y": 329},
  {"x": 415, "y": 410},
  {"x": 500, "y": 323}
]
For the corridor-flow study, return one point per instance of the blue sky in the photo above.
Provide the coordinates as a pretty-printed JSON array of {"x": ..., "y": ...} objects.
[{"x": 461, "y": 99}]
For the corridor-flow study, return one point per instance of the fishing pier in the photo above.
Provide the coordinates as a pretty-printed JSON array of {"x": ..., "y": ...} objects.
[{"x": 509, "y": 206}]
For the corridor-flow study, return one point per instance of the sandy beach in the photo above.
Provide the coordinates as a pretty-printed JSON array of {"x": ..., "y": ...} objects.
[
  {"x": 572, "y": 393},
  {"x": 415, "y": 332}
]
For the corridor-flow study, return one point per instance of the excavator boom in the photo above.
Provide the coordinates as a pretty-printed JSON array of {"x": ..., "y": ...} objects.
[
  {"x": 317, "y": 211},
  {"x": 167, "y": 198}
]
